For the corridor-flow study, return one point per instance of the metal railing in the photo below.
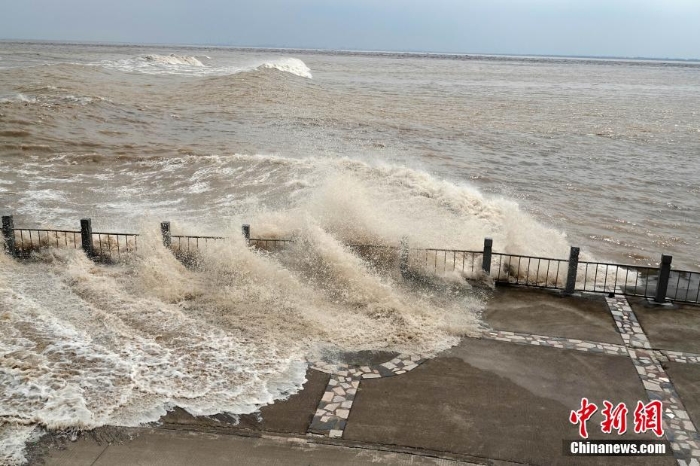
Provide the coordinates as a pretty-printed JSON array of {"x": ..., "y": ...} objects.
[
  {"x": 111, "y": 245},
  {"x": 187, "y": 243},
  {"x": 659, "y": 283},
  {"x": 444, "y": 261},
  {"x": 685, "y": 287},
  {"x": 531, "y": 271},
  {"x": 603, "y": 277},
  {"x": 27, "y": 240}
]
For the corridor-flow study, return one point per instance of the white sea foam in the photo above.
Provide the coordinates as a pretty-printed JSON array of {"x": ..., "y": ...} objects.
[
  {"x": 288, "y": 65},
  {"x": 173, "y": 59},
  {"x": 13, "y": 439},
  {"x": 50, "y": 100},
  {"x": 86, "y": 345},
  {"x": 22, "y": 98}
]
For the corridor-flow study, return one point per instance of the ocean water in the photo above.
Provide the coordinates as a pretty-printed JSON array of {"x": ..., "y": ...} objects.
[{"x": 333, "y": 148}]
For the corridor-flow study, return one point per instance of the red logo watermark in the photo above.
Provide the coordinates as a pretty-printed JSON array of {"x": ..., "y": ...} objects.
[{"x": 647, "y": 417}]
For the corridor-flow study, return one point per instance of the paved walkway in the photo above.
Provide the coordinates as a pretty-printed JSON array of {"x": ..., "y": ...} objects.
[
  {"x": 156, "y": 447},
  {"x": 503, "y": 397},
  {"x": 334, "y": 409}
]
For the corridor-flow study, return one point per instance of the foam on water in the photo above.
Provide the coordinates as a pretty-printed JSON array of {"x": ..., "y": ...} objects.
[
  {"x": 21, "y": 98},
  {"x": 173, "y": 59},
  {"x": 50, "y": 99},
  {"x": 83, "y": 346},
  {"x": 13, "y": 440}
]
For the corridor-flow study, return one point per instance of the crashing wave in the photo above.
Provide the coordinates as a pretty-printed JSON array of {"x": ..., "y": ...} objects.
[
  {"x": 173, "y": 59},
  {"x": 288, "y": 65},
  {"x": 191, "y": 66}
]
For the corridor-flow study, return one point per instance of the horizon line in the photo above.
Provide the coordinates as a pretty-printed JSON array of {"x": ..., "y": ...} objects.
[{"x": 344, "y": 50}]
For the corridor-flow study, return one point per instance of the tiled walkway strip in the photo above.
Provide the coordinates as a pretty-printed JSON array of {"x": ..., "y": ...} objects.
[
  {"x": 555, "y": 342},
  {"x": 679, "y": 429},
  {"x": 677, "y": 356},
  {"x": 334, "y": 408}
]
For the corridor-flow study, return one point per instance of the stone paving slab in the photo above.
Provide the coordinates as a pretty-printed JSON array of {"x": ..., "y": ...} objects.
[
  {"x": 496, "y": 400},
  {"x": 542, "y": 312},
  {"x": 154, "y": 447},
  {"x": 675, "y": 328}
]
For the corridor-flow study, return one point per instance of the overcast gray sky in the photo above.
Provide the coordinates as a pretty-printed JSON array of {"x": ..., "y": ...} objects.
[{"x": 643, "y": 28}]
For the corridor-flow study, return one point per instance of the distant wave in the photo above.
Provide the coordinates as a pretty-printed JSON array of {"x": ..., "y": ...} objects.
[
  {"x": 173, "y": 59},
  {"x": 49, "y": 100},
  {"x": 191, "y": 66},
  {"x": 288, "y": 65},
  {"x": 21, "y": 98}
]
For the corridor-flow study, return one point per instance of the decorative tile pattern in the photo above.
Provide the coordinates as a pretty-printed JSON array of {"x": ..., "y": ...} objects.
[
  {"x": 397, "y": 366},
  {"x": 680, "y": 430},
  {"x": 555, "y": 342},
  {"x": 333, "y": 410},
  {"x": 677, "y": 356},
  {"x": 632, "y": 333}
]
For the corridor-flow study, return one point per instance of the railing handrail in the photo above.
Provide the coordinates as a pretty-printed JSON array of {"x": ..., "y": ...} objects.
[
  {"x": 447, "y": 250},
  {"x": 286, "y": 240},
  {"x": 113, "y": 233},
  {"x": 612, "y": 264},
  {"x": 198, "y": 237},
  {"x": 521, "y": 256},
  {"x": 46, "y": 230}
]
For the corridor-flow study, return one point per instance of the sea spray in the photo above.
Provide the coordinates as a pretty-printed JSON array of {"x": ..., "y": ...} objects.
[{"x": 86, "y": 345}]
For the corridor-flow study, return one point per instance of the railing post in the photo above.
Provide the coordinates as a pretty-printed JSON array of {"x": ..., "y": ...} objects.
[
  {"x": 165, "y": 231},
  {"x": 486, "y": 258},
  {"x": 403, "y": 256},
  {"x": 246, "y": 232},
  {"x": 664, "y": 275},
  {"x": 571, "y": 275},
  {"x": 8, "y": 232},
  {"x": 86, "y": 236}
]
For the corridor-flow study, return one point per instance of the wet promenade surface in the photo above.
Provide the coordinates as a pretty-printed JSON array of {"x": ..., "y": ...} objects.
[{"x": 502, "y": 398}]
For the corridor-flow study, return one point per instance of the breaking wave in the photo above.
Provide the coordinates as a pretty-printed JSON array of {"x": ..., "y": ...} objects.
[
  {"x": 85, "y": 345},
  {"x": 173, "y": 59},
  {"x": 50, "y": 99},
  {"x": 288, "y": 65},
  {"x": 192, "y": 66}
]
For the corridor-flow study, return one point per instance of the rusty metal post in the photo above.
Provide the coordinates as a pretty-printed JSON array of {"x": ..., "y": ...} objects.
[
  {"x": 664, "y": 275},
  {"x": 573, "y": 268},
  {"x": 486, "y": 258},
  {"x": 165, "y": 231},
  {"x": 8, "y": 233},
  {"x": 86, "y": 237}
]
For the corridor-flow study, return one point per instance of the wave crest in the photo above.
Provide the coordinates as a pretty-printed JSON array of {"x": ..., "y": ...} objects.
[
  {"x": 173, "y": 59},
  {"x": 186, "y": 65},
  {"x": 288, "y": 65}
]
